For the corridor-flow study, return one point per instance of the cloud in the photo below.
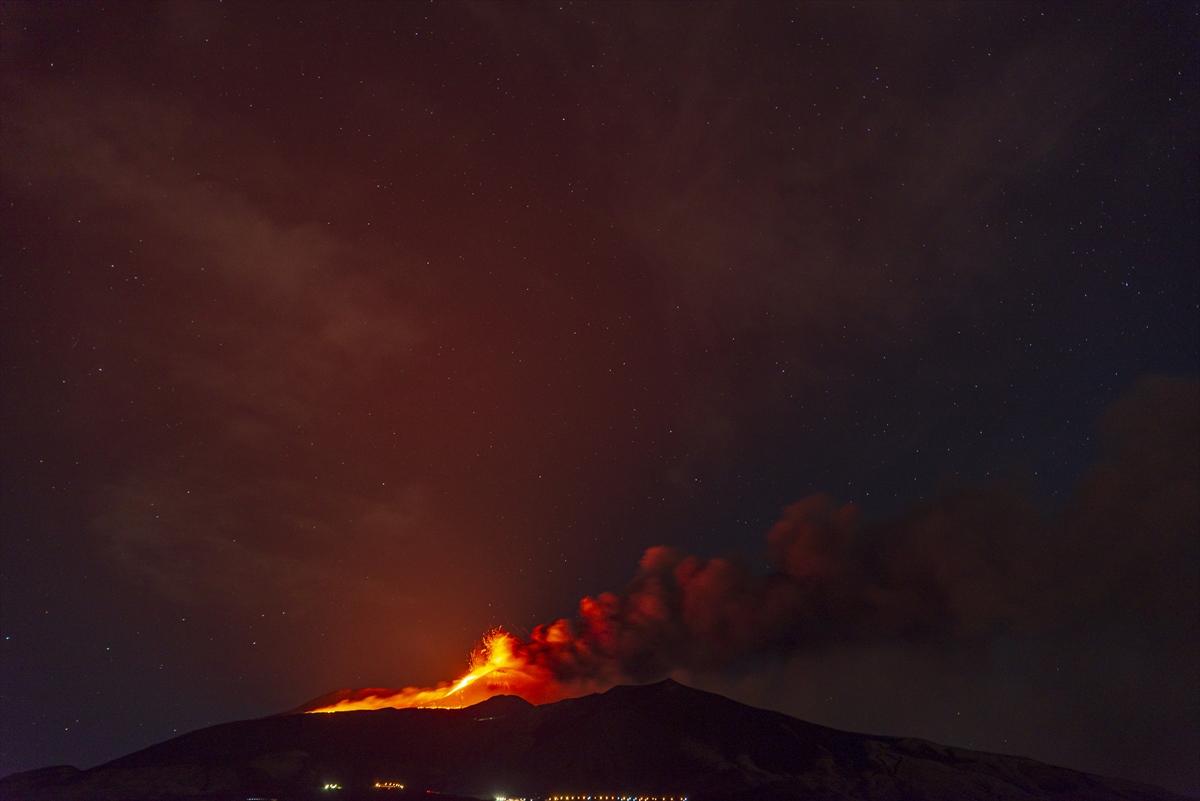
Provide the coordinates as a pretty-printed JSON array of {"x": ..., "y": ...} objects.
[{"x": 275, "y": 306}]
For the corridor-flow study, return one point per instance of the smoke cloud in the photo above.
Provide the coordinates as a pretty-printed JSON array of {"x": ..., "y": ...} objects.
[{"x": 980, "y": 562}]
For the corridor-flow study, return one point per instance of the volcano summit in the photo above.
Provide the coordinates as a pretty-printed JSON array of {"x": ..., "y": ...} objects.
[{"x": 660, "y": 740}]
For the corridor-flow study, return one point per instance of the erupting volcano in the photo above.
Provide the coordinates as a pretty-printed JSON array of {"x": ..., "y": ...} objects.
[
  {"x": 501, "y": 664},
  {"x": 683, "y": 612},
  {"x": 661, "y": 740}
]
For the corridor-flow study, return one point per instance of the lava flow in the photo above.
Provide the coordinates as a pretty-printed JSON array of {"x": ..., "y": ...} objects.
[{"x": 498, "y": 666}]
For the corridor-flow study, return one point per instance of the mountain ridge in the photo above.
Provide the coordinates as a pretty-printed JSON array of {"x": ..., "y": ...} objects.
[{"x": 657, "y": 739}]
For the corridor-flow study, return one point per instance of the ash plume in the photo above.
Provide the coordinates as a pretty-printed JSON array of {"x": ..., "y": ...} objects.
[{"x": 975, "y": 563}]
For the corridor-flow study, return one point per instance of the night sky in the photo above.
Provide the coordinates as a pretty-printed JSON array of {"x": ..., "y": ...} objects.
[{"x": 336, "y": 335}]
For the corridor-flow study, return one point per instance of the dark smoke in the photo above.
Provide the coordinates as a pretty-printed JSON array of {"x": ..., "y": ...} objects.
[{"x": 980, "y": 562}]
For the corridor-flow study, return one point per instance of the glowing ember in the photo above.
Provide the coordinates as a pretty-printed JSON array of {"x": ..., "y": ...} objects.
[{"x": 500, "y": 665}]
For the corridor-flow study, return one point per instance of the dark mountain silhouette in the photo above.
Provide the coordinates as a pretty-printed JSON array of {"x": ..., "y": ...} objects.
[{"x": 657, "y": 739}]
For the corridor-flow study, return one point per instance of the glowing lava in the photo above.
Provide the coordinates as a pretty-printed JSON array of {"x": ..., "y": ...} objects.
[{"x": 500, "y": 665}]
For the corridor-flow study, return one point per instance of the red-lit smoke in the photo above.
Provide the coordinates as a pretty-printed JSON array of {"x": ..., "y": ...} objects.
[
  {"x": 687, "y": 612},
  {"x": 965, "y": 566}
]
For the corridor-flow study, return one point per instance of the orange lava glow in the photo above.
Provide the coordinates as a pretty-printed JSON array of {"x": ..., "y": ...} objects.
[{"x": 498, "y": 666}]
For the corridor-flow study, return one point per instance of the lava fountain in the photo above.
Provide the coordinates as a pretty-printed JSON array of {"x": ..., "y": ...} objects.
[{"x": 499, "y": 665}]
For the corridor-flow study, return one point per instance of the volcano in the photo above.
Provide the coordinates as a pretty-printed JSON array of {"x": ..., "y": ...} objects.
[{"x": 661, "y": 740}]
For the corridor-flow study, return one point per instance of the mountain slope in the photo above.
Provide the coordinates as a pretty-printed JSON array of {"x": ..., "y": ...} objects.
[{"x": 661, "y": 739}]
